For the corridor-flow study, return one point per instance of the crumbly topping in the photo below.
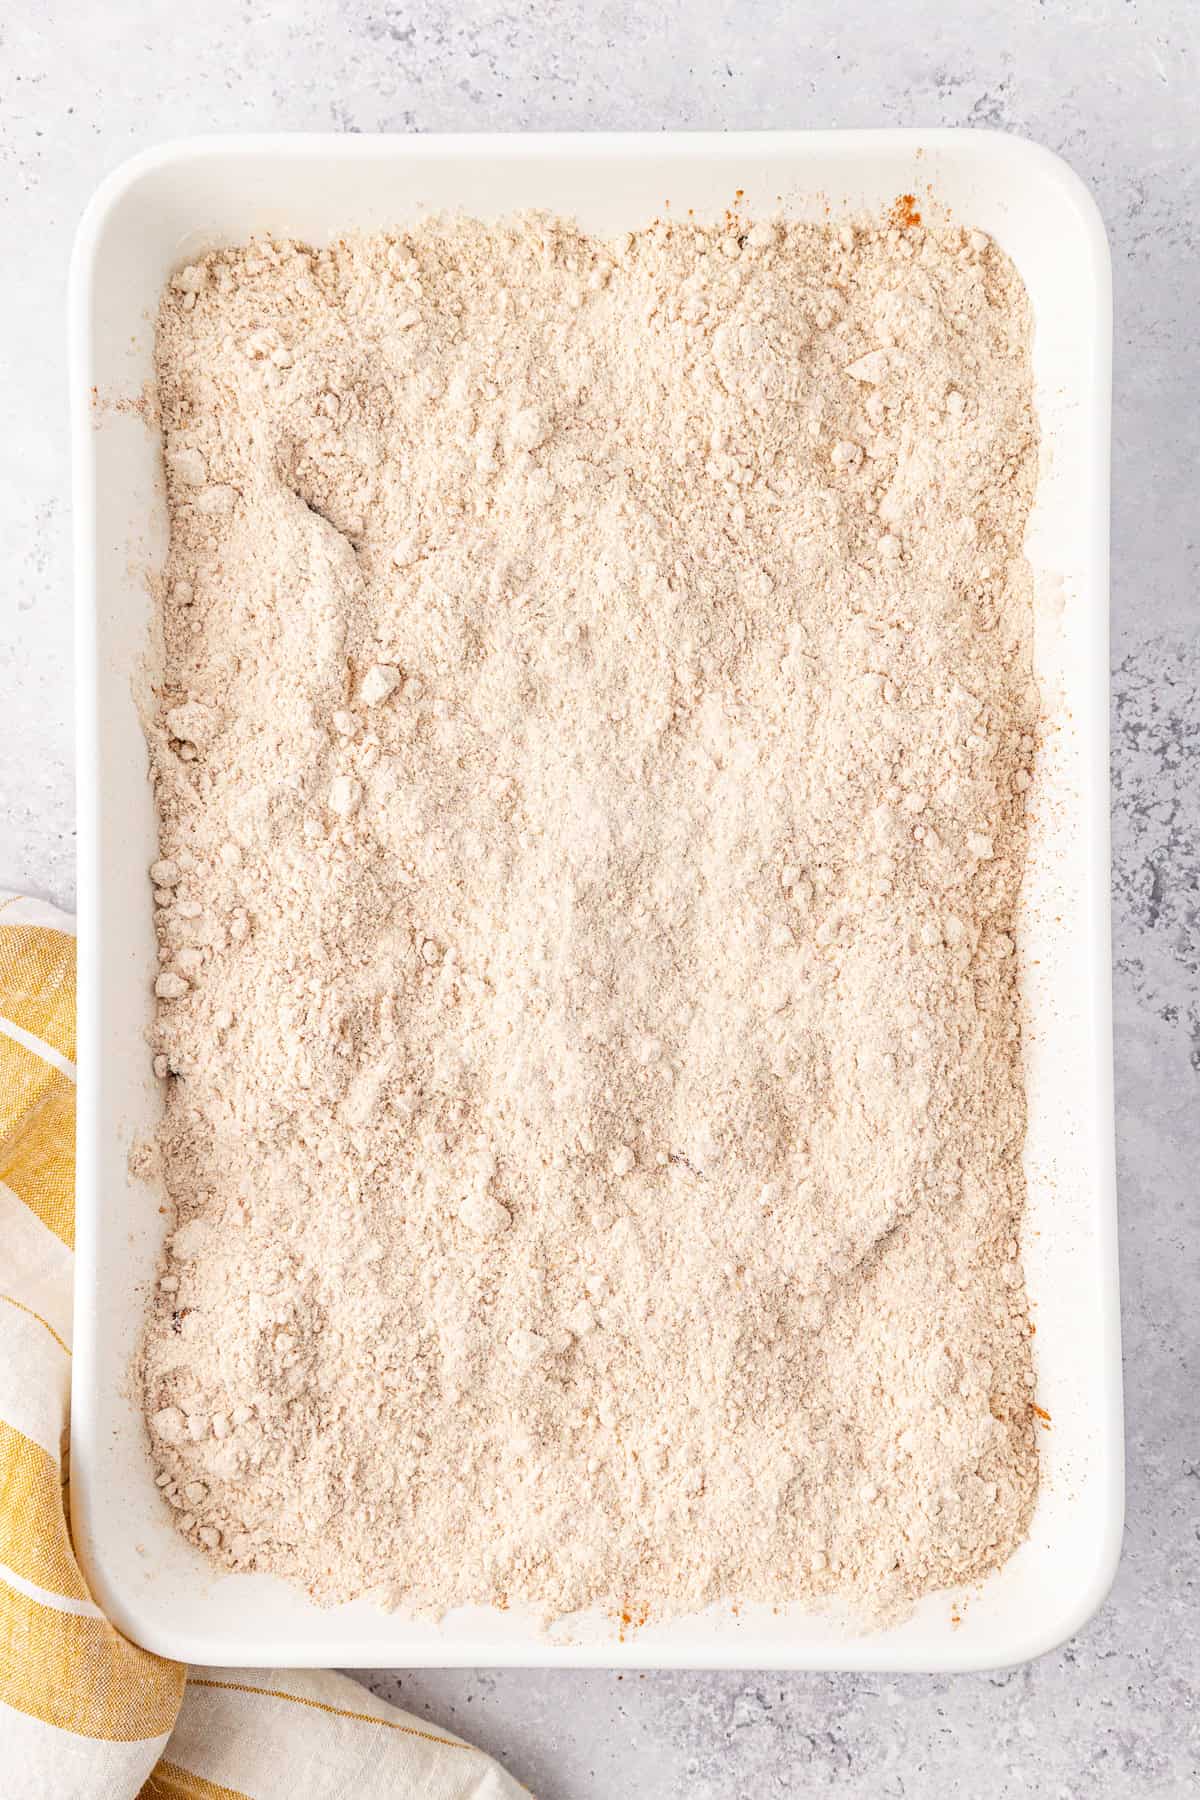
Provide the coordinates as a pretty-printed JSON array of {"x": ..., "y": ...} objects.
[{"x": 591, "y": 754}]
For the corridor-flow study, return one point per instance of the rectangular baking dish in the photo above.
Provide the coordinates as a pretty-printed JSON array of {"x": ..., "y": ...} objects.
[{"x": 166, "y": 207}]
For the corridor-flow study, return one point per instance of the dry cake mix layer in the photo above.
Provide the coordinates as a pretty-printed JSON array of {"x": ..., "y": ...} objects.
[{"x": 591, "y": 748}]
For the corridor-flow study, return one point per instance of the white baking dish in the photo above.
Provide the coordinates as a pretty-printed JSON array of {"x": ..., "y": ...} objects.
[{"x": 165, "y": 207}]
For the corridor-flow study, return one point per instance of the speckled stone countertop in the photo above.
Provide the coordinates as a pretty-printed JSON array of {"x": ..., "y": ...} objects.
[{"x": 1112, "y": 85}]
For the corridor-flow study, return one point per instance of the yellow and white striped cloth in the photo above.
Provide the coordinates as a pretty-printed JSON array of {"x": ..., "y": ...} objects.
[{"x": 84, "y": 1714}]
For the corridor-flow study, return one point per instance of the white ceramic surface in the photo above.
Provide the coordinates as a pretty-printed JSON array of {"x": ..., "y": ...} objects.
[{"x": 163, "y": 208}]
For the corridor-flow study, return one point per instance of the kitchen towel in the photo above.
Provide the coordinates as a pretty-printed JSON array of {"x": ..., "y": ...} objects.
[{"x": 85, "y": 1714}]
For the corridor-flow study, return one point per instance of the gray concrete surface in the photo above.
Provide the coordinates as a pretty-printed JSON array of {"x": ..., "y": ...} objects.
[{"x": 1112, "y": 85}]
